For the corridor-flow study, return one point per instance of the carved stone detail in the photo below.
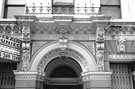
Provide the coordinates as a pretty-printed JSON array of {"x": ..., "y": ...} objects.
[
  {"x": 63, "y": 43},
  {"x": 36, "y": 45},
  {"x": 100, "y": 34},
  {"x": 121, "y": 44},
  {"x": 11, "y": 28},
  {"x": 26, "y": 46},
  {"x": 25, "y": 59},
  {"x": 90, "y": 46},
  {"x": 96, "y": 76},
  {"x": 100, "y": 48},
  {"x": 115, "y": 56},
  {"x": 59, "y": 52},
  {"x": 63, "y": 29}
]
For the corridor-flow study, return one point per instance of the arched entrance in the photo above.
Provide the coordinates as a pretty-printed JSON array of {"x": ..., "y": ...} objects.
[
  {"x": 51, "y": 50},
  {"x": 82, "y": 61},
  {"x": 63, "y": 72}
]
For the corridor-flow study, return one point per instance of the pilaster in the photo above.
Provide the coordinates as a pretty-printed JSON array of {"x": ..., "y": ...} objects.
[
  {"x": 29, "y": 80},
  {"x": 100, "y": 48},
  {"x": 26, "y": 22}
]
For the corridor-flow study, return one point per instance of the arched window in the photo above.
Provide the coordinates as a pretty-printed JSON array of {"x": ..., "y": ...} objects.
[{"x": 63, "y": 6}]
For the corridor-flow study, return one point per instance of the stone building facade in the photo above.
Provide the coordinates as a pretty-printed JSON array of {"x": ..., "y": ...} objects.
[{"x": 73, "y": 44}]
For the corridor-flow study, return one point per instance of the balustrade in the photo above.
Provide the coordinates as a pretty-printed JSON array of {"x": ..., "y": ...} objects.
[{"x": 61, "y": 9}]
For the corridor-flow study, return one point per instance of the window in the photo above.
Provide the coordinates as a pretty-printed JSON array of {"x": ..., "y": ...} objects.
[
  {"x": 14, "y": 7},
  {"x": 111, "y": 8},
  {"x": 63, "y": 7},
  {"x": 113, "y": 11}
]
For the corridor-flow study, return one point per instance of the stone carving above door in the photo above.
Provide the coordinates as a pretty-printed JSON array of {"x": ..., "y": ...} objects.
[
  {"x": 54, "y": 28},
  {"x": 58, "y": 53}
]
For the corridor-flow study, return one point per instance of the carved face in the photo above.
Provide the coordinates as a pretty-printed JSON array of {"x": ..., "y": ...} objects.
[{"x": 100, "y": 55}]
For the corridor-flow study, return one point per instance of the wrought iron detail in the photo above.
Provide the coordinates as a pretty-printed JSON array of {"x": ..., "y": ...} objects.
[
  {"x": 61, "y": 9},
  {"x": 122, "y": 76}
]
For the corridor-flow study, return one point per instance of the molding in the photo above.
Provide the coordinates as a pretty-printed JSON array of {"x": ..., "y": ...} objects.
[
  {"x": 88, "y": 76},
  {"x": 20, "y": 75},
  {"x": 116, "y": 56}
]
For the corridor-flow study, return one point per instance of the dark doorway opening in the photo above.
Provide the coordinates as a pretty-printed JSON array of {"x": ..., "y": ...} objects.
[
  {"x": 64, "y": 74},
  {"x": 63, "y": 87}
]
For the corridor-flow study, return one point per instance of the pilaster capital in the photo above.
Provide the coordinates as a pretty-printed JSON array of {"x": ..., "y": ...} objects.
[
  {"x": 32, "y": 75},
  {"x": 89, "y": 76}
]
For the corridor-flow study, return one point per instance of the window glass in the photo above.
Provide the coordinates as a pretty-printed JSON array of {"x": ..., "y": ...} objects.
[
  {"x": 62, "y": 2},
  {"x": 113, "y": 11},
  {"x": 63, "y": 7},
  {"x": 11, "y": 11}
]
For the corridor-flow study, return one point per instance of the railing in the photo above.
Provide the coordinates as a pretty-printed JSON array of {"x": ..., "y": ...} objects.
[{"x": 39, "y": 10}]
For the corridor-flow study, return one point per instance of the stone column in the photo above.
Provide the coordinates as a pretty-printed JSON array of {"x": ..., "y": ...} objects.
[
  {"x": 97, "y": 80},
  {"x": 29, "y": 80},
  {"x": 2, "y": 5}
]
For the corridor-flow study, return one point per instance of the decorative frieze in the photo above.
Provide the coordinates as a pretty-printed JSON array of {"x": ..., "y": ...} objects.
[
  {"x": 88, "y": 76},
  {"x": 63, "y": 28},
  {"x": 57, "y": 36}
]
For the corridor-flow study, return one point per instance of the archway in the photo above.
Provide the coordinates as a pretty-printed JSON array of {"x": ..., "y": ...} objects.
[
  {"x": 81, "y": 54},
  {"x": 63, "y": 72}
]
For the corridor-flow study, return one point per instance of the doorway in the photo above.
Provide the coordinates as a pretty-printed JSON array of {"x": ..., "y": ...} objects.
[{"x": 63, "y": 73}]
